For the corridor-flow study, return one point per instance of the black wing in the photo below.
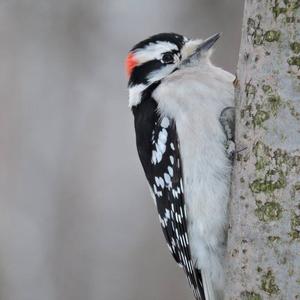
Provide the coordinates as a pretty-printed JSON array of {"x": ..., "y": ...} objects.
[{"x": 158, "y": 148}]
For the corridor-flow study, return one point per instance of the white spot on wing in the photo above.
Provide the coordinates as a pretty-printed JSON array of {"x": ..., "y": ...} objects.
[
  {"x": 163, "y": 135},
  {"x": 153, "y": 158},
  {"x": 170, "y": 170},
  {"x": 167, "y": 214},
  {"x": 172, "y": 159},
  {"x": 165, "y": 122},
  {"x": 174, "y": 192},
  {"x": 181, "y": 185},
  {"x": 167, "y": 178},
  {"x": 158, "y": 156},
  {"x": 161, "y": 146},
  {"x": 186, "y": 238},
  {"x": 161, "y": 181}
]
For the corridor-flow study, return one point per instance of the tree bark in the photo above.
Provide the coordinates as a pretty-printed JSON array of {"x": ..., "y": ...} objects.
[{"x": 263, "y": 254}]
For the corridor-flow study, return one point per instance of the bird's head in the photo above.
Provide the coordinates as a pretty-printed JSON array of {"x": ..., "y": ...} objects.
[{"x": 153, "y": 59}]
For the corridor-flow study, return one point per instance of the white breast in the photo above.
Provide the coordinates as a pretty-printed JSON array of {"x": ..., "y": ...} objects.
[{"x": 195, "y": 97}]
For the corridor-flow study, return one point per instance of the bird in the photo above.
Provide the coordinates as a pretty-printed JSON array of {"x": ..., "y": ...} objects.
[{"x": 184, "y": 116}]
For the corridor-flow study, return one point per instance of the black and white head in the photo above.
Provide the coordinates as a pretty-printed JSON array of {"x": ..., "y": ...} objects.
[{"x": 155, "y": 58}]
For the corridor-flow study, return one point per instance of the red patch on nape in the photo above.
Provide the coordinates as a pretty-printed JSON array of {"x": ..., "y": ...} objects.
[{"x": 130, "y": 63}]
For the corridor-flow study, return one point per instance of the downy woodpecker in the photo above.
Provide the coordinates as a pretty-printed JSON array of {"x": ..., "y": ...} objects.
[{"x": 184, "y": 123}]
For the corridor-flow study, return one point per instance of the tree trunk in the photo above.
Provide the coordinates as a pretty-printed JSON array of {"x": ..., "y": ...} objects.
[{"x": 263, "y": 257}]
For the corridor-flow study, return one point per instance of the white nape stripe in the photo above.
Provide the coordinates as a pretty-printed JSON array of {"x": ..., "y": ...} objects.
[{"x": 135, "y": 93}]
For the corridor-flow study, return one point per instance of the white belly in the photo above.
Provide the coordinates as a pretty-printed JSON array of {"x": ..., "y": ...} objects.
[{"x": 195, "y": 101}]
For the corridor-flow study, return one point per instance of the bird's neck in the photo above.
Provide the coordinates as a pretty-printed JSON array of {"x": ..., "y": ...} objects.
[{"x": 140, "y": 91}]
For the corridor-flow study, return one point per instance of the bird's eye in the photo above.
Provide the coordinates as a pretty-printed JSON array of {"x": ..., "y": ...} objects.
[{"x": 168, "y": 58}]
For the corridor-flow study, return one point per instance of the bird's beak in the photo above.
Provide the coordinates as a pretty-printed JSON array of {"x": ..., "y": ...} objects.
[{"x": 195, "y": 49}]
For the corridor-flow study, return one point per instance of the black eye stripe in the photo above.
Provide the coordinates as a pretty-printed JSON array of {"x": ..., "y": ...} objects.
[{"x": 140, "y": 73}]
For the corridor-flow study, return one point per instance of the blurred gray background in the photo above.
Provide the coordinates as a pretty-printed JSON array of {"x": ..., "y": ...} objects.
[{"x": 76, "y": 219}]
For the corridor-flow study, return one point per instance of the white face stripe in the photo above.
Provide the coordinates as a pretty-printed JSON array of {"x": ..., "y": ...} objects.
[
  {"x": 160, "y": 73},
  {"x": 153, "y": 51}
]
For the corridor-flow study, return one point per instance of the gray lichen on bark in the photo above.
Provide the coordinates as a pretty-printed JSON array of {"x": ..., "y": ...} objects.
[{"x": 263, "y": 255}]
